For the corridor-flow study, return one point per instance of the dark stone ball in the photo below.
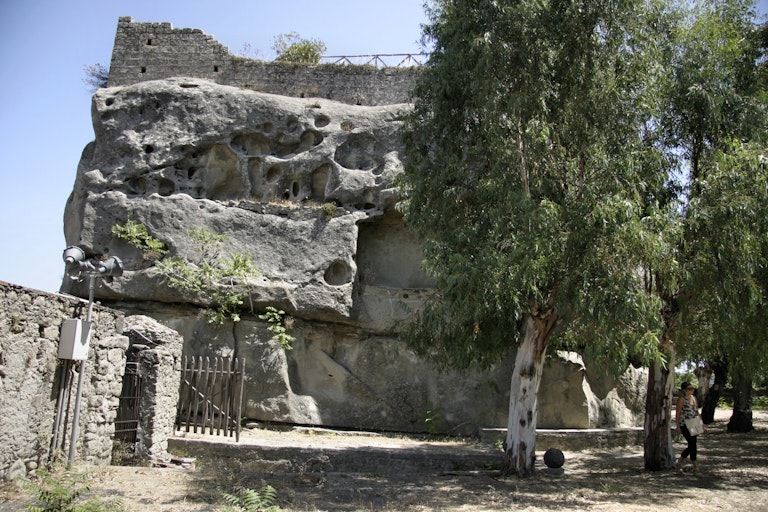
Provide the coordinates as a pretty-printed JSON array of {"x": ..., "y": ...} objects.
[{"x": 554, "y": 458}]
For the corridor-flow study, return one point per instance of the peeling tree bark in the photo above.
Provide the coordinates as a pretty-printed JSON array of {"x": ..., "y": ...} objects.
[
  {"x": 520, "y": 443},
  {"x": 658, "y": 452}
]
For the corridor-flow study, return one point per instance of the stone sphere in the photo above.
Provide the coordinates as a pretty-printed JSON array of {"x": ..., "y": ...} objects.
[{"x": 554, "y": 458}]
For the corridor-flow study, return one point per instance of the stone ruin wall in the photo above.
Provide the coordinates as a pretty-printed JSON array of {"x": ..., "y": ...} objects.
[
  {"x": 155, "y": 51},
  {"x": 30, "y": 372}
]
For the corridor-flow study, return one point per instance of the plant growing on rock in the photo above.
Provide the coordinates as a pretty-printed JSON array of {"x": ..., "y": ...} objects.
[
  {"x": 138, "y": 236},
  {"x": 212, "y": 279},
  {"x": 292, "y": 47},
  {"x": 276, "y": 320}
]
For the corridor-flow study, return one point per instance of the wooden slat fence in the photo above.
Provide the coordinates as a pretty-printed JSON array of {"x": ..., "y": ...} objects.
[{"x": 211, "y": 395}]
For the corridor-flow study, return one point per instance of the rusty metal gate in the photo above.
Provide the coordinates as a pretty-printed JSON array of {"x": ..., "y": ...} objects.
[
  {"x": 129, "y": 408},
  {"x": 210, "y": 396}
]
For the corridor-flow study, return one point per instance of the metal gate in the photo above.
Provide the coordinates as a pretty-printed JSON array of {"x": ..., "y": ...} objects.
[
  {"x": 129, "y": 408},
  {"x": 210, "y": 396}
]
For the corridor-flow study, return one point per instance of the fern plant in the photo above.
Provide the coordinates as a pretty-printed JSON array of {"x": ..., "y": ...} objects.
[
  {"x": 249, "y": 500},
  {"x": 60, "y": 490}
]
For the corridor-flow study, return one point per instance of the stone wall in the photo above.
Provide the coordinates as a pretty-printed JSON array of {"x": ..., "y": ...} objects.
[
  {"x": 30, "y": 373},
  {"x": 155, "y": 51},
  {"x": 157, "y": 350}
]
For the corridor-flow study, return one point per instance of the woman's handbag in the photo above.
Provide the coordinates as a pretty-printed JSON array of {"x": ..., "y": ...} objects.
[{"x": 694, "y": 425}]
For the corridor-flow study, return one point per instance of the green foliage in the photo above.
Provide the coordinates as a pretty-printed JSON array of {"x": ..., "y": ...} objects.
[
  {"x": 58, "y": 489},
  {"x": 717, "y": 117},
  {"x": 292, "y": 47},
  {"x": 433, "y": 419},
  {"x": 249, "y": 500},
  {"x": 532, "y": 176},
  {"x": 276, "y": 320},
  {"x": 138, "y": 236},
  {"x": 96, "y": 77},
  {"x": 328, "y": 210},
  {"x": 211, "y": 279}
]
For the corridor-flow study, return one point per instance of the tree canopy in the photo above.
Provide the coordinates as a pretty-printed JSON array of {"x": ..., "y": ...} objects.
[{"x": 542, "y": 153}]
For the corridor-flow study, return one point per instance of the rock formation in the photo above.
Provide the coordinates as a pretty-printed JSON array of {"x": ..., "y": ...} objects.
[{"x": 305, "y": 187}]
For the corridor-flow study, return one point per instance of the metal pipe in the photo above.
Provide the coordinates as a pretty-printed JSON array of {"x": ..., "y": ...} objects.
[{"x": 80, "y": 378}]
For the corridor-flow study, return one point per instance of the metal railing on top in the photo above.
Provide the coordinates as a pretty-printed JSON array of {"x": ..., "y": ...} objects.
[{"x": 380, "y": 60}]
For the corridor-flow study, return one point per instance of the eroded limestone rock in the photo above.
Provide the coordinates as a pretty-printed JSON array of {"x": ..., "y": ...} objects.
[{"x": 305, "y": 187}]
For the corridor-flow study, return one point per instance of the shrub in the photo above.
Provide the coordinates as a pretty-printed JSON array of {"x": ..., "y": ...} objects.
[{"x": 293, "y": 48}]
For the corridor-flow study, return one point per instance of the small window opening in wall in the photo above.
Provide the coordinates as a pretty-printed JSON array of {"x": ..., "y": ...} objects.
[
  {"x": 149, "y": 42},
  {"x": 215, "y": 69},
  {"x": 143, "y": 69}
]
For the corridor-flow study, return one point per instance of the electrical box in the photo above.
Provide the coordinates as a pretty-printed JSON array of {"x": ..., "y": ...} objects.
[{"x": 75, "y": 339}]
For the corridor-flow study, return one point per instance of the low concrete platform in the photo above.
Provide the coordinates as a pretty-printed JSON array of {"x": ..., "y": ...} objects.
[
  {"x": 574, "y": 439},
  {"x": 305, "y": 450}
]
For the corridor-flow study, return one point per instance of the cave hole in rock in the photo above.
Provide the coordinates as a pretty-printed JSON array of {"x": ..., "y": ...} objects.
[
  {"x": 166, "y": 187},
  {"x": 148, "y": 148},
  {"x": 369, "y": 200},
  {"x": 322, "y": 120},
  {"x": 295, "y": 189},
  {"x": 255, "y": 176},
  {"x": 109, "y": 102},
  {"x": 292, "y": 123},
  {"x": 320, "y": 178},
  {"x": 222, "y": 174},
  {"x": 252, "y": 144},
  {"x": 338, "y": 273},
  {"x": 309, "y": 139},
  {"x": 137, "y": 185},
  {"x": 273, "y": 174},
  {"x": 358, "y": 152},
  {"x": 286, "y": 148},
  {"x": 390, "y": 256}
]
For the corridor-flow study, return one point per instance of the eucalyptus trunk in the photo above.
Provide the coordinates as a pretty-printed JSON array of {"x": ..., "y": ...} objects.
[
  {"x": 720, "y": 369},
  {"x": 741, "y": 418},
  {"x": 703, "y": 375},
  {"x": 520, "y": 443},
  {"x": 658, "y": 451}
]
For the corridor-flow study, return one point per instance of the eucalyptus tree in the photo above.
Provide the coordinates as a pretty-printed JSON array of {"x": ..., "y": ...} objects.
[
  {"x": 534, "y": 183},
  {"x": 718, "y": 119}
]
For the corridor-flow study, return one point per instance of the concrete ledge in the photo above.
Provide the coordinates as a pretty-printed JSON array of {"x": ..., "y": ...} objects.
[
  {"x": 572, "y": 439},
  {"x": 252, "y": 458}
]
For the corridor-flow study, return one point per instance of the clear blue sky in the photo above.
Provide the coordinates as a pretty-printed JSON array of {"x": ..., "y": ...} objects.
[{"x": 45, "y": 107}]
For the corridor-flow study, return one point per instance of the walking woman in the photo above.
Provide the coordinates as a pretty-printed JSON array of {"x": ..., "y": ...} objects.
[{"x": 688, "y": 409}]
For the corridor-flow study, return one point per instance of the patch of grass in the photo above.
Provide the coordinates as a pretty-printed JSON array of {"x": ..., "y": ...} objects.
[{"x": 610, "y": 487}]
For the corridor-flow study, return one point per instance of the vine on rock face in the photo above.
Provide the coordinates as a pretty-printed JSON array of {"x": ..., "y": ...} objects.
[
  {"x": 137, "y": 235},
  {"x": 276, "y": 319},
  {"x": 212, "y": 278}
]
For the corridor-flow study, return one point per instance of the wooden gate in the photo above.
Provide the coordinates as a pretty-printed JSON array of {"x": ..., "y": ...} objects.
[{"x": 211, "y": 394}]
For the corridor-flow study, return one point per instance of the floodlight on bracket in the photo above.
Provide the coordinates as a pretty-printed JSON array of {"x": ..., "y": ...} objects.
[{"x": 76, "y": 333}]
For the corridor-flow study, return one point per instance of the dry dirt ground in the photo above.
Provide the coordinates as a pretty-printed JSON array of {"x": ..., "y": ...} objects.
[{"x": 733, "y": 475}]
